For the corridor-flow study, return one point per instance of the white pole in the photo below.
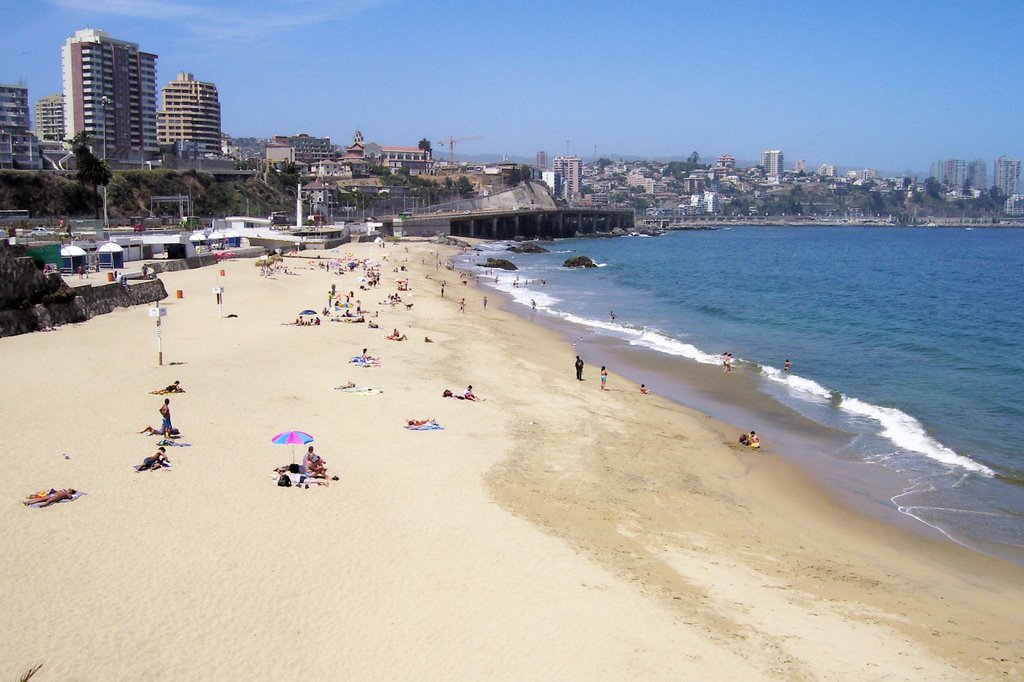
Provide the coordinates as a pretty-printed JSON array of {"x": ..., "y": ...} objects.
[{"x": 298, "y": 206}]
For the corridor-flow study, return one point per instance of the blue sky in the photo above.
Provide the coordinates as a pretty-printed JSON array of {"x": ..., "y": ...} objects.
[{"x": 887, "y": 85}]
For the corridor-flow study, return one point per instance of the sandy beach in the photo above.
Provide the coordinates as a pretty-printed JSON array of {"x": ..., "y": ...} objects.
[{"x": 550, "y": 531}]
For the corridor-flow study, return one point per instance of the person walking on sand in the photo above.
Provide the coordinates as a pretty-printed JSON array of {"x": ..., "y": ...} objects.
[
  {"x": 579, "y": 368},
  {"x": 485, "y": 303},
  {"x": 533, "y": 304},
  {"x": 604, "y": 377},
  {"x": 462, "y": 305}
]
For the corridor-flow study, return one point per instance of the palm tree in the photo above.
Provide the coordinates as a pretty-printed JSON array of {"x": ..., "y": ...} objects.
[
  {"x": 92, "y": 170},
  {"x": 425, "y": 145}
]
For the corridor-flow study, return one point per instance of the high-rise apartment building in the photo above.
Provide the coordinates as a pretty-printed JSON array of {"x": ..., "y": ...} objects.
[
  {"x": 541, "y": 162},
  {"x": 726, "y": 162},
  {"x": 1007, "y": 175},
  {"x": 110, "y": 94},
  {"x": 827, "y": 170},
  {"x": 19, "y": 148},
  {"x": 308, "y": 149},
  {"x": 50, "y": 118},
  {"x": 950, "y": 172},
  {"x": 800, "y": 166},
  {"x": 771, "y": 161},
  {"x": 571, "y": 170},
  {"x": 977, "y": 174},
  {"x": 190, "y": 117}
]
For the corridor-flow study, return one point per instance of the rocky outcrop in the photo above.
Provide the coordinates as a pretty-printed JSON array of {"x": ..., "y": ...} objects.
[
  {"x": 32, "y": 301},
  {"x": 528, "y": 247},
  {"x": 579, "y": 262},
  {"x": 500, "y": 264}
]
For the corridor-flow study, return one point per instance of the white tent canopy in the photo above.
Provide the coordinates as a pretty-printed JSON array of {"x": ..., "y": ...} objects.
[
  {"x": 71, "y": 251},
  {"x": 216, "y": 235},
  {"x": 110, "y": 247}
]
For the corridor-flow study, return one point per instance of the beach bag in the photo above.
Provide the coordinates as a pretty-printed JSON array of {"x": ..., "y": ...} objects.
[{"x": 284, "y": 481}]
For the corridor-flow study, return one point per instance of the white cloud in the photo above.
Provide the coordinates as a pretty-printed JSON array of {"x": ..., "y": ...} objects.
[{"x": 227, "y": 19}]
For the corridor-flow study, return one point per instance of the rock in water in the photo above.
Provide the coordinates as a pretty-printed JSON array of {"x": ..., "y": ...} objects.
[
  {"x": 579, "y": 262},
  {"x": 500, "y": 263}
]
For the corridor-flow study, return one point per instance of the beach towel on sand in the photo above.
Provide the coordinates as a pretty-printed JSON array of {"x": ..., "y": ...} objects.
[
  {"x": 43, "y": 495},
  {"x": 363, "y": 362},
  {"x": 361, "y": 390},
  {"x": 175, "y": 443},
  {"x": 429, "y": 426}
]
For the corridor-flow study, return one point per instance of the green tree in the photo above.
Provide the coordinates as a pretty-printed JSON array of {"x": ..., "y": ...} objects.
[
  {"x": 932, "y": 188},
  {"x": 425, "y": 145},
  {"x": 92, "y": 171}
]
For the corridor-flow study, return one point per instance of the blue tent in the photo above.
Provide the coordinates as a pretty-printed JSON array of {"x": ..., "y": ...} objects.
[
  {"x": 111, "y": 256},
  {"x": 72, "y": 258}
]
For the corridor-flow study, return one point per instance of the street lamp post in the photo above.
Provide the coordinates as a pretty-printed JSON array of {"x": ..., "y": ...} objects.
[{"x": 104, "y": 101}]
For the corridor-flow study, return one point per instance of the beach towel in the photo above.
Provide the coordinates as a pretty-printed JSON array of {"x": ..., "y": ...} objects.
[
  {"x": 175, "y": 443},
  {"x": 363, "y": 362},
  {"x": 429, "y": 426},
  {"x": 360, "y": 390},
  {"x": 44, "y": 494},
  {"x": 164, "y": 391}
]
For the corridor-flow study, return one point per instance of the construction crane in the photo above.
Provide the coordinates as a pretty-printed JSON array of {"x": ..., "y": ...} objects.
[{"x": 450, "y": 143}]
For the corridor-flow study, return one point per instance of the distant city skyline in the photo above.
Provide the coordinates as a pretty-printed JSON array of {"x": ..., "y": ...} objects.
[{"x": 850, "y": 85}]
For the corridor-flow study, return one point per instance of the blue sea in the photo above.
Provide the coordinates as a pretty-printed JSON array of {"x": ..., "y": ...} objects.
[{"x": 906, "y": 342}]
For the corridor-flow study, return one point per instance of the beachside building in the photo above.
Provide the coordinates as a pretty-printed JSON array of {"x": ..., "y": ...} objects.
[
  {"x": 307, "y": 148},
  {"x": 19, "y": 147},
  {"x": 110, "y": 95},
  {"x": 394, "y": 158},
  {"x": 571, "y": 169},
  {"x": 190, "y": 117},
  {"x": 771, "y": 161},
  {"x": 50, "y": 118},
  {"x": 553, "y": 179},
  {"x": 1007, "y": 175}
]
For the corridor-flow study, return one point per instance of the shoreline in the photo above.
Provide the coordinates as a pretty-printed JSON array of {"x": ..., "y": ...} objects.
[
  {"x": 745, "y": 400},
  {"x": 550, "y": 531}
]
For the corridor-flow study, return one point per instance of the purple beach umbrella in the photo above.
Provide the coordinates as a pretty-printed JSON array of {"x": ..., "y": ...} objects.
[{"x": 292, "y": 438}]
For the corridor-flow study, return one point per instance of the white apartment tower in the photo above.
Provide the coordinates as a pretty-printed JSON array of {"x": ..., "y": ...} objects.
[
  {"x": 110, "y": 94},
  {"x": 190, "y": 116},
  {"x": 771, "y": 161},
  {"x": 1007, "y": 175},
  {"x": 50, "y": 118},
  {"x": 571, "y": 170}
]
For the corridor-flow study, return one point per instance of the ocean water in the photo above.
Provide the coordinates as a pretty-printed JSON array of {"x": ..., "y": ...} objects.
[{"x": 909, "y": 342}]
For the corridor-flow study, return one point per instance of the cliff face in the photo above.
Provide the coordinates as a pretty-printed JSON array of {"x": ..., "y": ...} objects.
[{"x": 32, "y": 301}]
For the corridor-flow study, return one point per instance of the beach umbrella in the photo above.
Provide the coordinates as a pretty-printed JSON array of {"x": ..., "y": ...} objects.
[
  {"x": 292, "y": 438},
  {"x": 307, "y": 312}
]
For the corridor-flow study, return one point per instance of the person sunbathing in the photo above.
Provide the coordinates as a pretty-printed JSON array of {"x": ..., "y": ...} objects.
[
  {"x": 165, "y": 432},
  {"x": 419, "y": 422},
  {"x": 469, "y": 395},
  {"x": 372, "y": 325},
  {"x": 46, "y": 499},
  {"x": 157, "y": 460},
  {"x": 316, "y": 466},
  {"x": 173, "y": 388},
  {"x": 350, "y": 384}
]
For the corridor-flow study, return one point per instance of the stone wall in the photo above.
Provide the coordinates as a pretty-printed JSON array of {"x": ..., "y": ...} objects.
[
  {"x": 202, "y": 261},
  {"x": 78, "y": 304}
]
